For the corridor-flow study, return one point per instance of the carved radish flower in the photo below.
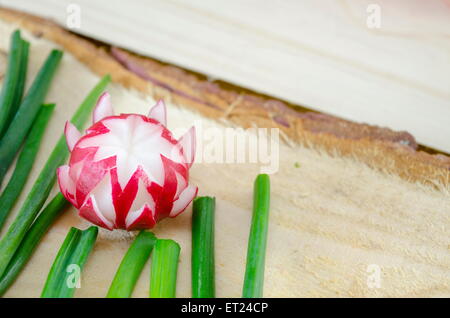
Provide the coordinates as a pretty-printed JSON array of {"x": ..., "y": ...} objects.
[{"x": 127, "y": 171}]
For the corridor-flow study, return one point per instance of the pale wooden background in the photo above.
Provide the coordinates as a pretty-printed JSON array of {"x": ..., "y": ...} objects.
[{"x": 319, "y": 54}]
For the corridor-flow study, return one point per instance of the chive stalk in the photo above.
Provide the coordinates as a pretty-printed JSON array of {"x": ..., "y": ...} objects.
[
  {"x": 14, "y": 79},
  {"x": 75, "y": 264},
  {"x": 164, "y": 269},
  {"x": 59, "y": 265},
  {"x": 27, "y": 112},
  {"x": 203, "y": 282},
  {"x": 45, "y": 182},
  {"x": 22, "y": 78},
  {"x": 256, "y": 252},
  {"x": 31, "y": 240},
  {"x": 24, "y": 162},
  {"x": 65, "y": 272},
  {"x": 131, "y": 266}
]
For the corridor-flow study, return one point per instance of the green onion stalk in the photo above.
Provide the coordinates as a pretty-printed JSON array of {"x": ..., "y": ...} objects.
[
  {"x": 256, "y": 252},
  {"x": 131, "y": 266},
  {"x": 14, "y": 80},
  {"x": 203, "y": 270},
  {"x": 163, "y": 278},
  {"x": 24, "y": 162},
  {"x": 65, "y": 273},
  {"x": 20, "y": 89}
]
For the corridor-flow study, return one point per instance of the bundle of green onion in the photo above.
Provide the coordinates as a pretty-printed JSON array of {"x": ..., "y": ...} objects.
[
  {"x": 203, "y": 271},
  {"x": 26, "y": 227},
  {"x": 22, "y": 125}
]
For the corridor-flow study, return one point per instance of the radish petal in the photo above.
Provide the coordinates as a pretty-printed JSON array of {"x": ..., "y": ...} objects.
[
  {"x": 72, "y": 135},
  {"x": 181, "y": 184},
  {"x": 103, "y": 108},
  {"x": 89, "y": 210},
  {"x": 159, "y": 113},
  {"x": 103, "y": 197},
  {"x": 188, "y": 144},
  {"x": 140, "y": 219},
  {"x": 66, "y": 184},
  {"x": 183, "y": 201}
]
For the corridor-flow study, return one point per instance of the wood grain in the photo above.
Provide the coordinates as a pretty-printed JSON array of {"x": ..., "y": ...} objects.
[{"x": 317, "y": 54}]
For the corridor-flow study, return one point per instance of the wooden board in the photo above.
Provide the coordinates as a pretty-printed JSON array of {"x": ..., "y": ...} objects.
[
  {"x": 319, "y": 54},
  {"x": 334, "y": 221}
]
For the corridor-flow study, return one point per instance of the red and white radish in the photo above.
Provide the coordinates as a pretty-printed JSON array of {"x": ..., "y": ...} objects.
[{"x": 127, "y": 171}]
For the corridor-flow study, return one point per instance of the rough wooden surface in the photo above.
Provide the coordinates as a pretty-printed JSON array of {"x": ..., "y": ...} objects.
[
  {"x": 333, "y": 219},
  {"x": 320, "y": 54}
]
